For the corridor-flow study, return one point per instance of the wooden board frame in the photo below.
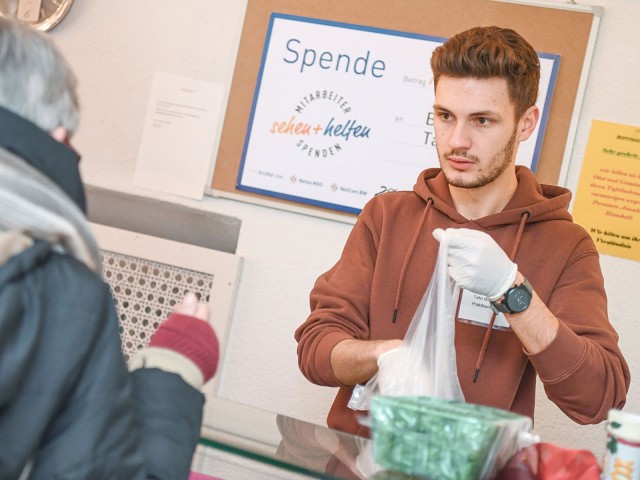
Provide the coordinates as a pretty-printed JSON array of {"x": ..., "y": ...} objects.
[{"x": 552, "y": 28}]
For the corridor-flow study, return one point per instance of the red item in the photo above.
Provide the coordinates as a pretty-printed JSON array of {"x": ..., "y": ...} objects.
[
  {"x": 191, "y": 337},
  {"x": 545, "y": 461},
  {"x": 201, "y": 476}
]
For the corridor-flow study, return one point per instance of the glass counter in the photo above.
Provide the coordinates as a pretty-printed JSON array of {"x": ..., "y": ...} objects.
[{"x": 239, "y": 442}]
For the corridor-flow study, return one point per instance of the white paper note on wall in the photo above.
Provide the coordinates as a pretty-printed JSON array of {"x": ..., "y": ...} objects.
[{"x": 179, "y": 133}]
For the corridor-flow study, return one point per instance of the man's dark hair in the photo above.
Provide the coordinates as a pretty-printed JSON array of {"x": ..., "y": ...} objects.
[{"x": 491, "y": 52}]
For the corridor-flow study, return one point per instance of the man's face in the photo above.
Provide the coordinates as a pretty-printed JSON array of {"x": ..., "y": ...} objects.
[{"x": 476, "y": 131}]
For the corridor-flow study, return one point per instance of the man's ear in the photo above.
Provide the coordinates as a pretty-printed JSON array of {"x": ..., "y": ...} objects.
[
  {"x": 60, "y": 134},
  {"x": 528, "y": 123}
]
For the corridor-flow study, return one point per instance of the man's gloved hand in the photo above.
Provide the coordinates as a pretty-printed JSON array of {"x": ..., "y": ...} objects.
[{"x": 477, "y": 263}]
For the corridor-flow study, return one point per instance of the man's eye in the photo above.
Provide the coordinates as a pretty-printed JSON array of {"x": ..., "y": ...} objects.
[{"x": 484, "y": 121}]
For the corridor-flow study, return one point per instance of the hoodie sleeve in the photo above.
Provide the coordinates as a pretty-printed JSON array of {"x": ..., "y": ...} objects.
[
  {"x": 339, "y": 304},
  {"x": 583, "y": 370}
]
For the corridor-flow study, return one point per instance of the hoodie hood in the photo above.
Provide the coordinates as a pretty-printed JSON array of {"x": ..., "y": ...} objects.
[
  {"x": 531, "y": 203},
  {"x": 542, "y": 202}
]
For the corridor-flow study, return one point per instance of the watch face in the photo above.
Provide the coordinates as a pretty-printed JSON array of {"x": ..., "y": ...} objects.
[
  {"x": 518, "y": 299},
  {"x": 40, "y": 14}
]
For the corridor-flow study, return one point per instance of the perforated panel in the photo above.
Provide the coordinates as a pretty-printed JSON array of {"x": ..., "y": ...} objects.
[
  {"x": 145, "y": 292},
  {"x": 149, "y": 275}
]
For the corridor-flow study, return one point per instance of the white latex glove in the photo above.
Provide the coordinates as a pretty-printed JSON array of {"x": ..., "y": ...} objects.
[{"x": 477, "y": 263}]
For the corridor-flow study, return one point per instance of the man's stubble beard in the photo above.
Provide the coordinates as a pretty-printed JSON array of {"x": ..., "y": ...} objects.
[{"x": 499, "y": 163}]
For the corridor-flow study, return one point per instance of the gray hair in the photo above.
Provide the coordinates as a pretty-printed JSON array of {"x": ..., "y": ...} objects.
[{"x": 35, "y": 80}]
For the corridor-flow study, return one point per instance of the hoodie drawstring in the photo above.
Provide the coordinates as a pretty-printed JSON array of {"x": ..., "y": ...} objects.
[
  {"x": 485, "y": 341},
  {"x": 405, "y": 265}
]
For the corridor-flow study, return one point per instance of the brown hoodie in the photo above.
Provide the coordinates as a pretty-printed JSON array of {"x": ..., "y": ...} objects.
[{"x": 372, "y": 292}]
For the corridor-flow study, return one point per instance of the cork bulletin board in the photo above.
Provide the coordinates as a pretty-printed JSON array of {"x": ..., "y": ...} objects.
[{"x": 566, "y": 33}]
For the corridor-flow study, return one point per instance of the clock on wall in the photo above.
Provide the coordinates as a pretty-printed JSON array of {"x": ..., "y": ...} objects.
[{"x": 40, "y": 14}]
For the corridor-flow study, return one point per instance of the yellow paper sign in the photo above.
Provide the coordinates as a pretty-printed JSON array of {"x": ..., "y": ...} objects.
[{"x": 608, "y": 199}]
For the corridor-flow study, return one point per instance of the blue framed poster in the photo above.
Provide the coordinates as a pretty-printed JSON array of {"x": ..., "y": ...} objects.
[{"x": 342, "y": 112}]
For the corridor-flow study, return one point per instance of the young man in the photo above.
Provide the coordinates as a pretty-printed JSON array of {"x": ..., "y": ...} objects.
[
  {"x": 69, "y": 408},
  {"x": 486, "y": 84}
]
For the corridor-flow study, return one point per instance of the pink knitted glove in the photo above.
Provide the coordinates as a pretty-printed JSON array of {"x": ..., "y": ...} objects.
[{"x": 191, "y": 337}]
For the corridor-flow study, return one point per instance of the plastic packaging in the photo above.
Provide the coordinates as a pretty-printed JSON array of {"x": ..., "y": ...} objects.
[
  {"x": 545, "y": 461},
  {"x": 622, "y": 457},
  {"x": 425, "y": 364},
  {"x": 444, "y": 439}
]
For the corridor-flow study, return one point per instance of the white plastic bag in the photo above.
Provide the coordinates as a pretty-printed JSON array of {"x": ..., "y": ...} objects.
[{"x": 425, "y": 364}]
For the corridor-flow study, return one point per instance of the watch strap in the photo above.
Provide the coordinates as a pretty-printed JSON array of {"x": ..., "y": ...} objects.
[{"x": 499, "y": 307}]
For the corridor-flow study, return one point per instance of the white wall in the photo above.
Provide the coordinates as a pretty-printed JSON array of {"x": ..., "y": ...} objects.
[{"x": 115, "y": 48}]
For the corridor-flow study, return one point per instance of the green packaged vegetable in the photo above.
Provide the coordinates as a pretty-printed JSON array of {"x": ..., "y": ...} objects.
[{"x": 443, "y": 439}]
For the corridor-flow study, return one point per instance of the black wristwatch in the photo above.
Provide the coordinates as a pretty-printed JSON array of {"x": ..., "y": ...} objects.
[{"x": 515, "y": 300}]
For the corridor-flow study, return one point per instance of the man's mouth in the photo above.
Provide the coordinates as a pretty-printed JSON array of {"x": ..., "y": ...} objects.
[{"x": 459, "y": 161}]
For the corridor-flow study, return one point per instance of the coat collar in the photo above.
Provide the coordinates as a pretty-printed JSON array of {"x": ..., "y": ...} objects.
[{"x": 43, "y": 152}]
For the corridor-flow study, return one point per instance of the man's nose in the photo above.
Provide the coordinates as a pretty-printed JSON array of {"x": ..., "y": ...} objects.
[{"x": 460, "y": 138}]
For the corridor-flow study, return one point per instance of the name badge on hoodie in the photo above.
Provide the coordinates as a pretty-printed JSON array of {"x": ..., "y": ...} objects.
[{"x": 475, "y": 309}]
